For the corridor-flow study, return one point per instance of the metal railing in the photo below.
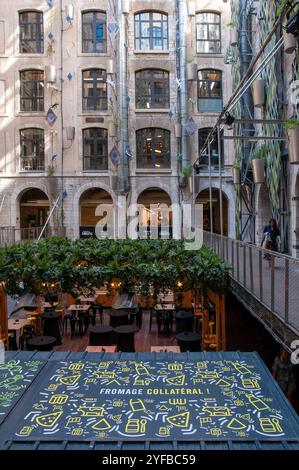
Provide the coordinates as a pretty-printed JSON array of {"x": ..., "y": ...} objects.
[
  {"x": 271, "y": 277},
  {"x": 11, "y": 235}
]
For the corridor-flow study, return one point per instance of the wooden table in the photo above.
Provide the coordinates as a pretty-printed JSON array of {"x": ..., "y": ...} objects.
[
  {"x": 16, "y": 326},
  {"x": 88, "y": 300},
  {"x": 78, "y": 308},
  {"x": 158, "y": 349},
  {"x": 165, "y": 307},
  {"x": 97, "y": 349}
]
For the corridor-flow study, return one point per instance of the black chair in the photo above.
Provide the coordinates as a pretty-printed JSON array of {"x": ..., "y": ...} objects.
[
  {"x": 66, "y": 318},
  {"x": 98, "y": 311},
  {"x": 164, "y": 320},
  {"x": 28, "y": 333},
  {"x": 153, "y": 314}
]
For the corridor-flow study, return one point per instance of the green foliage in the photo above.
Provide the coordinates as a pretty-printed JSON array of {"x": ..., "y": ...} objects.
[
  {"x": 260, "y": 152},
  {"x": 291, "y": 123},
  {"x": 187, "y": 171},
  {"x": 144, "y": 266}
]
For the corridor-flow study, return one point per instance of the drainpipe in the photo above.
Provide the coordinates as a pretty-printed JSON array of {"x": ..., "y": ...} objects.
[
  {"x": 183, "y": 82},
  {"x": 247, "y": 104},
  {"x": 123, "y": 103}
]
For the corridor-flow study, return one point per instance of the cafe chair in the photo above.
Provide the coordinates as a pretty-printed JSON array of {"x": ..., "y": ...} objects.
[{"x": 27, "y": 334}]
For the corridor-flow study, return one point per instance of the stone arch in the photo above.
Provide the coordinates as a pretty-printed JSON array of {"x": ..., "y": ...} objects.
[
  {"x": 229, "y": 193},
  {"x": 263, "y": 210},
  {"x": 17, "y": 194},
  {"x": 76, "y": 201}
]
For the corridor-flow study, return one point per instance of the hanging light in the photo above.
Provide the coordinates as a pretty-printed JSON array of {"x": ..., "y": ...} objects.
[{"x": 229, "y": 119}]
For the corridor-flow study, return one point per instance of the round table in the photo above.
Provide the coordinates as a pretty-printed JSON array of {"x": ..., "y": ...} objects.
[
  {"x": 41, "y": 343},
  {"x": 183, "y": 321},
  {"x": 118, "y": 318},
  {"x": 51, "y": 327},
  {"x": 125, "y": 337},
  {"x": 100, "y": 335},
  {"x": 189, "y": 341}
]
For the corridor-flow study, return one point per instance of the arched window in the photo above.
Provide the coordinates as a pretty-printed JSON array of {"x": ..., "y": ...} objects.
[
  {"x": 208, "y": 32},
  {"x": 209, "y": 91},
  {"x": 153, "y": 148},
  {"x": 94, "y": 90},
  {"x": 95, "y": 149},
  {"x": 32, "y": 145},
  {"x": 31, "y": 24},
  {"x": 94, "y": 37},
  {"x": 204, "y": 158},
  {"x": 151, "y": 31},
  {"x": 152, "y": 89},
  {"x": 32, "y": 89}
]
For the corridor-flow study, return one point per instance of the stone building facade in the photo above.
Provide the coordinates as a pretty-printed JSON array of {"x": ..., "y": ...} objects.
[{"x": 72, "y": 121}]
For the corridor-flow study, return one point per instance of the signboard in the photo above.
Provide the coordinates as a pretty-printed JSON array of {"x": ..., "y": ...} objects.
[
  {"x": 15, "y": 378},
  {"x": 139, "y": 400}
]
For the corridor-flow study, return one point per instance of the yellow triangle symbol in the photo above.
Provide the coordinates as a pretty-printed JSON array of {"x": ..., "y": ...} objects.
[
  {"x": 236, "y": 424},
  {"x": 247, "y": 416},
  {"x": 178, "y": 380},
  {"x": 163, "y": 408},
  {"x": 101, "y": 425},
  {"x": 222, "y": 383}
]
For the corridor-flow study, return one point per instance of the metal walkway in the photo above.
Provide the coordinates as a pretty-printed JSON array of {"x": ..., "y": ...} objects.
[{"x": 270, "y": 289}]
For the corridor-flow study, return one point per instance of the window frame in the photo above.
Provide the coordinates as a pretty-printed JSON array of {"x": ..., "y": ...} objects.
[
  {"x": 40, "y": 158},
  {"x": 152, "y": 97},
  {"x": 138, "y": 21},
  {"x": 209, "y": 88},
  {"x": 145, "y": 134},
  {"x": 39, "y": 39},
  {"x": 204, "y": 159},
  {"x": 38, "y": 100},
  {"x": 94, "y": 32},
  {"x": 94, "y": 139},
  {"x": 207, "y": 25},
  {"x": 95, "y": 97}
]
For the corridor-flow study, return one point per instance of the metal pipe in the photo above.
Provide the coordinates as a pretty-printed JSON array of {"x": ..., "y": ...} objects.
[
  {"x": 210, "y": 188},
  {"x": 220, "y": 179},
  {"x": 183, "y": 82},
  {"x": 123, "y": 103}
]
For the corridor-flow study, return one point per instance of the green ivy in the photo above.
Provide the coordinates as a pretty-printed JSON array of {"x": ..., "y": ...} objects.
[{"x": 148, "y": 266}]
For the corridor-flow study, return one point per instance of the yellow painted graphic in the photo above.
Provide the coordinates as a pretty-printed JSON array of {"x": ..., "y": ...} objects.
[
  {"x": 180, "y": 421},
  {"x": 241, "y": 368},
  {"x": 26, "y": 430},
  {"x": 175, "y": 366},
  {"x": 91, "y": 411},
  {"x": 48, "y": 420},
  {"x": 235, "y": 424},
  {"x": 58, "y": 399},
  {"x": 141, "y": 369},
  {"x": 207, "y": 374},
  {"x": 270, "y": 425},
  {"x": 250, "y": 383},
  {"x": 178, "y": 380},
  {"x": 257, "y": 402},
  {"x": 77, "y": 432},
  {"x": 105, "y": 374},
  {"x": 217, "y": 410},
  {"x": 164, "y": 431},
  {"x": 222, "y": 383},
  {"x": 70, "y": 380},
  {"x": 101, "y": 425},
  {"x": 76, "y": 366},
  {"x": 137, "y": 405},
  {"x": 135, "y": 426}
]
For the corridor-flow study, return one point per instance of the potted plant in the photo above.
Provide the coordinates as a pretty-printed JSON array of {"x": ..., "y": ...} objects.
[
  {"x": 233, "y": 33},
  {"x": 114, "y": 182},
  {"x": 236, "y": 173},
  {"x": 258, "y": 93},
  {"x": 258, "y": 166},
  {"x": 191, "y": 71},
  {"x": 186, "y": 177},
  {"x": 292, "y": 127},
  {"x": 52, "y": 182}
]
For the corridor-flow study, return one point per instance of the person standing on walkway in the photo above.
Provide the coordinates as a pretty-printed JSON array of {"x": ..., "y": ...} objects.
[
  {"x": 284, "y": 374},
  {"x": 271, "y": 237}
]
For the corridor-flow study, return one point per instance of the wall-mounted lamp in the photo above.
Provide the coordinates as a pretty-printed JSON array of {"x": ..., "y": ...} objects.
[
  {"x": 70, "y": 133},
  {"x": 69, "y": 13}
]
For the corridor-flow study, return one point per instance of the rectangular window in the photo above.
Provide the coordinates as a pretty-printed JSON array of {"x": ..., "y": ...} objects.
[
  {"x": 151, "y": 31},
  {"x": 32, "y": 89},
  {"x": 208, "y": 33},
  {"x": 152, "y": 89},
  {"x": 95, "y": 149},
  {"x": 94, "y": 90},
  {"x": 32, "y": 144},
  {"x": 209, "y": 91},
  {"x": 94, "y": 38},
  {"x": 31, "y": 32}
]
